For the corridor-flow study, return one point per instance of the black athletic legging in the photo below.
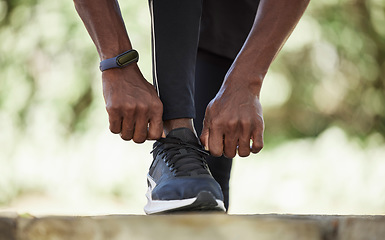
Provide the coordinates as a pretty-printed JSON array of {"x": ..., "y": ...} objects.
[
  {"x": 186, "y": 79},
  {"x": 210, "y": 72}
]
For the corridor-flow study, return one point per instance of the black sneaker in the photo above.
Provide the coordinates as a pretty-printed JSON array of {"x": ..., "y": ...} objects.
[{"x": 179, "y": 178}]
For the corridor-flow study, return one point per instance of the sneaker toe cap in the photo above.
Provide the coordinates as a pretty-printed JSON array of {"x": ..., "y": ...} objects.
[{"x": 185, "y": 188}]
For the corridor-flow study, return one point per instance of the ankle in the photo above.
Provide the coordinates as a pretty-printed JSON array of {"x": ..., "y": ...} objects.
[{"x": 172, "y": 124}]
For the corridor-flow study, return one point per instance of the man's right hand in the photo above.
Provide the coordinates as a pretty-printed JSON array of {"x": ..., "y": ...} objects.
[{"x": 133, "y": 106}]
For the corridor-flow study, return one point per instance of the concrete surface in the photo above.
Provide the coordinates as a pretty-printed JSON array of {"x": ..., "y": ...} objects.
[{"x": 191, "y": 226}]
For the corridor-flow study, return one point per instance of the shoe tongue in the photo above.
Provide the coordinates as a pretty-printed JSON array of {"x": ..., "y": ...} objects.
[{"x": 184, "y": 134}]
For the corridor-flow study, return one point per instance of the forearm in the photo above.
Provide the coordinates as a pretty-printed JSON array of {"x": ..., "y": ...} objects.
[
  {"x": 274, "y": 22},
  {"x": 105, "y": 25}
]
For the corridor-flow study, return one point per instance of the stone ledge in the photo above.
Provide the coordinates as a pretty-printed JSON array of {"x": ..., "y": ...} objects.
[{"x": 192, "y": 226}]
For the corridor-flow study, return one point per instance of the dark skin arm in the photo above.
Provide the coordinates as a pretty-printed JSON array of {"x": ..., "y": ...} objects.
[
  {"x": 133, "y": 106},
  {"x": 234, "y": 116}
]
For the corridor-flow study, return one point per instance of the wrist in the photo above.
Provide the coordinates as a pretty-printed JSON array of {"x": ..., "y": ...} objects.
[
  {"x": 120, "y": 61},
  {"x": 112, "y": 44},
  {"x": 130, "y": 70},
  {"x": 241, "y": 77},
  {"x": 113, "y": 51},
  {"x": 130, "y": 74}
]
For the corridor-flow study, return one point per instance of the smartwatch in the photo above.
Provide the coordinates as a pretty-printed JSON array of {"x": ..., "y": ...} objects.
[{"x": 120, "y": 61}]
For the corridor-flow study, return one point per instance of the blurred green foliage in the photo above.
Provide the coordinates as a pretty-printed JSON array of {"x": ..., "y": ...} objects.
[
  {"x": 50, "y": 88},
  {"x": 39, "y": 70},
  {"x": 336, "y": 72},
  {"x": 332, "y": 71}
]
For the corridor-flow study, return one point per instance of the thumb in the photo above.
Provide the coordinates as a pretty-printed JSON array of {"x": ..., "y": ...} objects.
[{"x": 205, "y": 136}]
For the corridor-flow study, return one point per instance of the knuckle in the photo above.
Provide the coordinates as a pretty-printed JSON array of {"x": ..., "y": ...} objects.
[
  {"x": 157, "y": 113},
  {"x": 129, "y": 114},
  {"x": 245, "y": 123},
  {"x": 140, "y": 107},
  {"x": 157, "y": 105},
  {"x": 128, "y": 107},
  {"x": 112, "y": 109},
  {"x": 215, "y": 123},
  {"x": 232, "y": 123},
  {"x": 129, "y": 131},
  {"x": 261, "y": 122}
]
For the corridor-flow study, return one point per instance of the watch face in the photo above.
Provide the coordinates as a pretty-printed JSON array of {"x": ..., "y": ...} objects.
[{"x": 127, "y": 58}]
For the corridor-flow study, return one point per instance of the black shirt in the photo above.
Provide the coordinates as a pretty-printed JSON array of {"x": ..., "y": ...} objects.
[{"x": 225, "y": 25}]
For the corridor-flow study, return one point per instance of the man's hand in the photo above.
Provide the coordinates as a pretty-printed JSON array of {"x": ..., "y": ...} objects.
[
  {"x": 133, "y": 106},
  {"x": 232, "y": 118}
]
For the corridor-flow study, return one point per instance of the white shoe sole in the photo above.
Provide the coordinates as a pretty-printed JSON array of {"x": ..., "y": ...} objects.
[{"x": 204, "y": 201}]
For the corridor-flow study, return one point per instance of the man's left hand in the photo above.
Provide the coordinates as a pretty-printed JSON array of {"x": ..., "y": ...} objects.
[{"x": 233, "y": 118}]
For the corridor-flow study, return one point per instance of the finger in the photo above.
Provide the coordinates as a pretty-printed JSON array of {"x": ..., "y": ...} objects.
[
  {"x": 127, "y": 129},
  {"x": 244, "y": 140},
  {"x": 257, "y": 138},
  {"x": 115, "y": 123},
  {"x": 244, "y": 147},
  {"x": 230, "y": 147},
  {"x": 215, "y": 142},
  {"x": 205, "y": 137},
  {"x": 155, "y": 129},
  {"x": 140, "y": 132}
]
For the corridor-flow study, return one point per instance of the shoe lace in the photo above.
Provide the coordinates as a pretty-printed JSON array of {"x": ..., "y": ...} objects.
[{"x": 183, "y": 159}]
